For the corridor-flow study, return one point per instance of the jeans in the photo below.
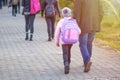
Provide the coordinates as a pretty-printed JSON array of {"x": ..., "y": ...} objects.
[
  {"x": 86, "y": 45},
  {"x": 66, "y": 49},
  {"x": 50, "y": 25},
  {"x": 29, "y": 19}
]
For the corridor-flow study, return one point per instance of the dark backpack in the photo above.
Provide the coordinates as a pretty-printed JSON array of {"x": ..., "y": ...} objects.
[
  {"x": 15, "y": 2},
  {"x": 49, "y": 9}
]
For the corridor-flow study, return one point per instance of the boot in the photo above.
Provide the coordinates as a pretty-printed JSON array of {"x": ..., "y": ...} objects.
[
  {"x": 26, "y": 38},
  {"x": 31, "y": 36},
  {"x": 66, "y": 69}
]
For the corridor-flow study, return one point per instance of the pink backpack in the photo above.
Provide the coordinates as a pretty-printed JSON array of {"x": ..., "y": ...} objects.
[
  {"x": 35, "y": 6},
  {"x": 70, "y": 31}
]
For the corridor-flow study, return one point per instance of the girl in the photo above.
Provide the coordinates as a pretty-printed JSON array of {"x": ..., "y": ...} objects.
[{"x": 66, "y": 13}]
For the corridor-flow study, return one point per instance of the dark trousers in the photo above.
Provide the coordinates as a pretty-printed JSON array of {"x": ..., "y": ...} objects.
[
  {"x": 14, "y": 10},
  {"x": 66, "y": 49},
  {"x": 29, "y": 20},
  {"x": 18, "y": 7},
  {"x": 5, "y": 2},
  {"x": 0, "y": 4},
  {"x": 50, "y": 25},
  {"x": 9, "y": 3}
]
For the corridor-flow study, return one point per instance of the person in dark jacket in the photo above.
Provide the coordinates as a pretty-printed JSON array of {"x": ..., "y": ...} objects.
[
  {"x": 50, "y": 20},
  {"x": 29, "y": 19},
  {"x": 14, "y": 7},
  {"x": 18, "y": 5},
  {"x": 88, "y": 14}
]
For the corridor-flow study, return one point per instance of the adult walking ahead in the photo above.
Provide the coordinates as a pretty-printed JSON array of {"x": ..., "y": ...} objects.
[
  {"x": 14, "y": 4},
  {"x": 89, "y": 15},
  {"x": 30, "y": 8},
  {"x": 50, "y": 7}
]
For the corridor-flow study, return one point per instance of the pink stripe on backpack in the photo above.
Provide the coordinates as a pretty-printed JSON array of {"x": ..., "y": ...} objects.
[{"x": 70, "y": 31}]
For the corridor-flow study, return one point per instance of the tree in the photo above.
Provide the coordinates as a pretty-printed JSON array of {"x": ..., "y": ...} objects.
[{"x": 66, "y": 3}]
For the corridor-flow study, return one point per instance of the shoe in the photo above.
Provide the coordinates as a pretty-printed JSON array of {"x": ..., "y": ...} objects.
[
  {"x": 31, "y": 39},
  {"x": 66, "y": 70},
  {"x": 87, "y": 66},
  {"x": 49, "y": 39},
  {"x": 14, "y": 15},
  {"x": 31, "y": 36},
  {"x": 26, "y": 38}
]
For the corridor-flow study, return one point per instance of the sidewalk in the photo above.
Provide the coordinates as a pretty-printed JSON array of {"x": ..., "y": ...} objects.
[{"x": 42, "y": 60}]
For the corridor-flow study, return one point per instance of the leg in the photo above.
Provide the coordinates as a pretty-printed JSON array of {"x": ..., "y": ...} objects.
[
  {"x": 69, "y": 53},
  {"x": 12, "y": 10},
  {"x": 27, "y": 19},
  {"x": 89, "y": 43},
  {"x": 4, "y": 2},
  {"x": 32, "y": 18},
  {"x": 10, "y": 3},
  {"x": 15, "y": 8},
  {"x": 18, "y": 7},
  {"x": 48, "y": 21},
  {"x": 83, "y": 47},
  {"x": 66, "y": 57},
  {"x": 84, "y": 50},
  {"x": 53, "y": 26}
]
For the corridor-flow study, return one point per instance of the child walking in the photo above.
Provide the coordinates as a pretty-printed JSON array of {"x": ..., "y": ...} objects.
[{"x": 66, "y": 47}]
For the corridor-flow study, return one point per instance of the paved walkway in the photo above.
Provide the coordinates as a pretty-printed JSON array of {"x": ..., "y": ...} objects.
[{"x": 42, "y": 60}]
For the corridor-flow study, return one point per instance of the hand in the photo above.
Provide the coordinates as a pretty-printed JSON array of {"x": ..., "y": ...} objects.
[{"x": 57, "y": 44}]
